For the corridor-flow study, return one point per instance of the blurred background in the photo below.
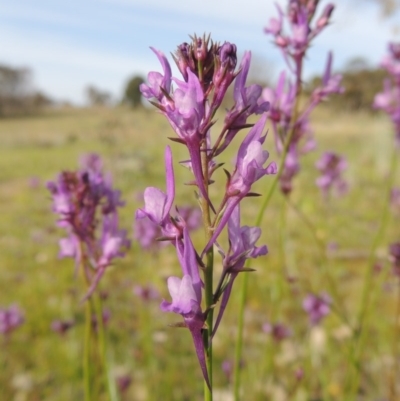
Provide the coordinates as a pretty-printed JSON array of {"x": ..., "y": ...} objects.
[{"x": 81, "y": 53}]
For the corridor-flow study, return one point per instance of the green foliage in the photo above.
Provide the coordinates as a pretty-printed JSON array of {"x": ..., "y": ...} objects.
[{"x": 132, "y": 94}]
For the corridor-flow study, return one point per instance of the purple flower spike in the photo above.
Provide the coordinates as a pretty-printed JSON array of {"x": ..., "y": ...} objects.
[
  {"x": 317, "y": 307},
  {"x": 87, "y": 206}
]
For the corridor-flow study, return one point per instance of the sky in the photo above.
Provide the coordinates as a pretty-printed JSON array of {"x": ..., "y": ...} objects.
[{"x": 70, "y": 44}]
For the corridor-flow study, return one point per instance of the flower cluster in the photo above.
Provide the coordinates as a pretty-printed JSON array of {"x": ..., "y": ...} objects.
[
  {"x": 389, "y": 99},
  {"x": 87, "y": 207},
  {"x": 331, "y": 166},
  {"x": 292, "y": 132},
  {"x": 190, "y": 105},
  {"x": 10, "y": 319}
]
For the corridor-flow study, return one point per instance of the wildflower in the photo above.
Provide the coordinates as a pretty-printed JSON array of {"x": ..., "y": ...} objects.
[
  {"x": 389, "y": 99},
  {"x": 317, "y": 307},
  {"x": 147, "y": 292},
  {"x": 62, "y": 326},
  {"x": 394, "y": 256},
  {"x": 10, "y": 319},
  {"x": 278, "y": 331},
  {"x": 87, "y": 207},
  {"x": 242, "y": 242},
  {"x": 290, "y": 124},
  {"x": 331, "y": 166},
  {"x": 186, "y": 298}
]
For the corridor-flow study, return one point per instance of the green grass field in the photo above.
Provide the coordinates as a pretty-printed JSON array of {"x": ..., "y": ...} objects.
[{"x": 37, "y": 364}]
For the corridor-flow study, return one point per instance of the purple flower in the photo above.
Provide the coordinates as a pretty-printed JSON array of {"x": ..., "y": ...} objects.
[
  {"x": 395, "y": 198},
  {"x": 62, "y": 326},
  {"x": 147, "y": 292},
  {"x": 317, "y": 307},
  {"x": 186, "y": 298},
  {"x": 146, "y": 232},
  {"x": 389, "y": 99},
  {"x": 87, "y": 207},
  {"x": 278, "y": 331},
  {"x": 10, "y": 319},
  {"x": 331, "y": 166},
  {"x": 158, "y": 203},
  {"x": 242, "y": 246},
  {"x": 394, "y": 256},
  {"x": 249, "y": 168}
]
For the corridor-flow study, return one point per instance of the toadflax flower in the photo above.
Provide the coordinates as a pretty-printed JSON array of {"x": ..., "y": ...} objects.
[
  {"x": 317, "y": 307},
  {"x": 190, "y": 104},
  {"x": 186, "y": 298},
  {"x": 87, "y": 207},
  {"x": 331, "y": 165}
]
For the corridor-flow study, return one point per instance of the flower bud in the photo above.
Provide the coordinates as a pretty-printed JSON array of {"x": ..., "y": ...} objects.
[{"x": 326, "y": 15}]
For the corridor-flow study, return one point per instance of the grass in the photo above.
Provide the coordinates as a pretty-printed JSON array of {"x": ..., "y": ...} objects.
[{"x": 38, "y": 364}]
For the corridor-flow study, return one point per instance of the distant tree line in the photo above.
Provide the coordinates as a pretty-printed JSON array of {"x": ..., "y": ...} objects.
[
  {"x": 361, "y": 83},
  {"x": 17, "y": 96}
]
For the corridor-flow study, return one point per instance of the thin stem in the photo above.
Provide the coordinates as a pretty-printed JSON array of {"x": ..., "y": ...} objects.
[
  {"x": 208, "y": 278},
  {"x": 341, "y": 311},
  {"x": 86, "y": 351},
  {"x": 368, "y": 288},
  {"x": 103, "y": 345}
]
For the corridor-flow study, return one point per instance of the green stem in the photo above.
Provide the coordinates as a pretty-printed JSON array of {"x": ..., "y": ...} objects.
[
  {"x": 340, "y": 310},
  {"x": 86, "y": 352},
  {"x": 368, "y": 289},
  {"x": 208, "y": 279},
  {"x": 103, "y": 346}
]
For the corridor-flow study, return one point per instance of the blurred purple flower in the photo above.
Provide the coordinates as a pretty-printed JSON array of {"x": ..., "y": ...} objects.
[
  {"x": 278, "y": 331},
  {"x": 395, "y": 198},
  {"x": 34, "y": 182},
  {"x": 10, "y": 319},
  {"x": 389, "y": 99},
  {"x": 87, "y": 206},
  {"x": 394, "y": 256},
  {"x": 62, "y": 326},
  {"x": 147, "y": 292},
  {"x": 106, "y": 315},
  {"x": 290, "y": 124},
  {"x": 331, "y": 166},
  {"x": 317, "y": 307},
  {"x": 123, "y": 383}
]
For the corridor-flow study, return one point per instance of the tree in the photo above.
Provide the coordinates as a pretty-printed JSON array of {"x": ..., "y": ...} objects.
[
  {"x": 97, "y": 97},
  {"x": 17, "y": 95},
  {"x": 132, "y": 94}
]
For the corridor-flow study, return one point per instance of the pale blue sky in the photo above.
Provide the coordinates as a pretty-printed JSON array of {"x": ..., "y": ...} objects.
[{"x": 69, "y": 44}]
